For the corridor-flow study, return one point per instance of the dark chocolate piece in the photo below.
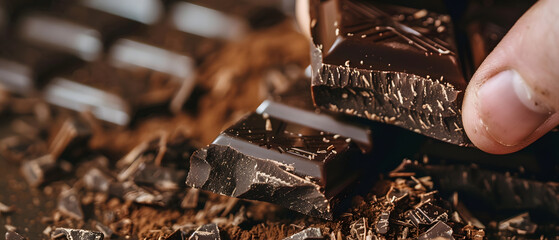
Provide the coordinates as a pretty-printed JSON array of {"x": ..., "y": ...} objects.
[
  {"x": 110, "y": 93},
  {"x": 11, "y": 235},
  {"x": 297, "y": 101},
  {"x": 40, "y": 170},
  {"x": 69, "y": 136},
  {"x": 176, "y": 235},
  {"x": 69, "y": 204},
  {"x": 382, "y": 224},
  {"x": 162, "y": 178},
  {"x": 390, "y": 64},
  {"x": 438, "y": 231},
  {"x": 76, "y": 234},
  {"x": 128, "y": 190},
  {"x": 147, "y": 11},
  {"x": 520, "y": 224},
  {"x": 190, "y": 199},
  {"x": 74, "y": 29},
  {"x": 427, "y": 214},
  {"x": 206, "y": 232},
  {"x": 267, "y": 159},
  {"x": 107, "y": 231},
  {"x": 210, "y": 19},
  {"x": 25, "y": 68},
  {"x": 307, "y": 234}
]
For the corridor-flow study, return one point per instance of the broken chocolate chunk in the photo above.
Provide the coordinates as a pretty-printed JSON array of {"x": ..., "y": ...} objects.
[
  {"x": 69, "y": 136},
  {"x": 11, "y": 235},
  {"x": 206, "y": 232},
  {"x": 76, "y": 234},
  {"x": 107, "y": 231},
  {"x": 382, "y": 224},
  {"x": 520, "y": 224},
  {"x": 438, "y": 231},
  {"x": 69, "y": 204},
  {"x": 307, "y": 234},
  {"x": 427, "y": 214},
  {"x": 297, "y": 101},
  {"x": 40, "y": 170},
  {"x": 267, "y": 159},
  {"x": 388, "y": 63}
]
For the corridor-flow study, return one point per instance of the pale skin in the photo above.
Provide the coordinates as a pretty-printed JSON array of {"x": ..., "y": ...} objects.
[{"x": 513, "y": 98}]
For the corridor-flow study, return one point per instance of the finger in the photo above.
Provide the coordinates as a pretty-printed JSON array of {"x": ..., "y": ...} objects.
[
  {"x": 303, "y": 17},
  {"x": 513, "y": 98}
]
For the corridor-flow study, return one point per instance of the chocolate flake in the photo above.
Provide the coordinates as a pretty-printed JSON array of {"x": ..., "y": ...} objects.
[
  {"x": 439, "y": 231},
  {"x": 307, "y": 234},
  {"x": 76, "y": 234},
  {"x": 206, "y": 232},
  {"x": 69, "y": 204}
]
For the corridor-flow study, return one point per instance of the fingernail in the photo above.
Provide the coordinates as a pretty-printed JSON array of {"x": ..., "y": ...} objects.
[{"x": 508, "y": 109}]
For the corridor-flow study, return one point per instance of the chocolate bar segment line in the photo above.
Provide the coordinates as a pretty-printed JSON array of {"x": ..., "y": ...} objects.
[
  {"x": 318, "y": 121},
  {"x": 78, "y": 97}
]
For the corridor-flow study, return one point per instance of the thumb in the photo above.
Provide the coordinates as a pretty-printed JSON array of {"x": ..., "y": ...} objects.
[{"x": 513, "y": 98}]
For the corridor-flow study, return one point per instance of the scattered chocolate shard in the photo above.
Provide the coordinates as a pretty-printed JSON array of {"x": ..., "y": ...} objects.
[
  {"x": 40, "y": 170},
  {"x": 162, "y": 178},
  {"x": 396, "y": 194},
  {"x": 176, "y": 235},
  {"x": 367, "y": 61},
  {"x": 190, "y": 199},
  {"x": 69, "y": 136},
  {"x": 76, "y": 234},
  {"x": 11, "y": 235},
  {"x": 107, "y": 231},
  {"x": 358, "y": 229},
  {"x": 427, "y": 214},
  {"x": 292, "y": 165},
  {"x": 520, "y": 224},
  {"x": 5, "y": 208},
  {"x": 128, "y": 190},
  {"x": 382, "y": 225},
  {"x": 307, "y": 234},
  {"x": 439, "y": 231},
  {"x": 206, "y": 232},
  {"x": 69, "y": 204}
]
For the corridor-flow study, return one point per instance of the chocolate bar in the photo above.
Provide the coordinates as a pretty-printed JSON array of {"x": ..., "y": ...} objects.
[
  {"x": 25, "y": 68},
  {"x": 144, "y": 11},
  {"x": 388, "y": 63},
  {"x": 210, "y": 19},
  {"x": 111, "y": 94},
  {"x": 268, "y": 159},
  {"x": 77, "y": 30}
]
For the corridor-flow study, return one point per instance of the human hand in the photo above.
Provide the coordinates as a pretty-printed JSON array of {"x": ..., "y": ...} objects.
[{"x": 513, "y": 98}]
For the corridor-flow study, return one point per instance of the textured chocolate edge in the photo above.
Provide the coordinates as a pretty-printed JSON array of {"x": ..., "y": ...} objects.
[
  {"x": 409, "y": 101},
  {"x": 248, "y": 177}
]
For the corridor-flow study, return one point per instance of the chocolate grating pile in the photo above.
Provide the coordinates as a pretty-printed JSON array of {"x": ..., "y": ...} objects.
[{"x": 175, "y": 120}]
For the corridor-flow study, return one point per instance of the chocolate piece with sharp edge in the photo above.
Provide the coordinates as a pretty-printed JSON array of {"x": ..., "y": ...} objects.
[
  {"x": 40, "y": 170},
  {"x": 297, "y": 101},
  {"x": 438, "y": 231},
  {"x": 307, "y": 234},
  {"x": 76, "y": 234},
  {"x": 162, "y": 178},
  {"x": 69, "y": 137},
  {"x": 206, "y": 232},
  {"x": 267, "y": 159},
  {"x": 390, "y": 64},
  {"x": 11, "y": 235},
  {"x": 69, "y": 204}
]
